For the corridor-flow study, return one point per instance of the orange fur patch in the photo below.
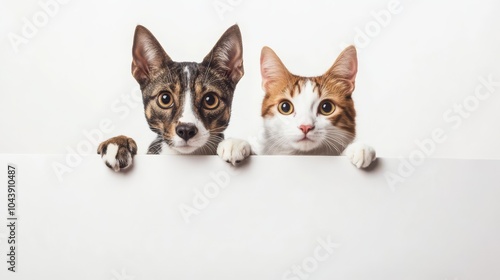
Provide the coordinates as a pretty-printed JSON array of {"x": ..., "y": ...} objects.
[{"x": 337, "y": 84}]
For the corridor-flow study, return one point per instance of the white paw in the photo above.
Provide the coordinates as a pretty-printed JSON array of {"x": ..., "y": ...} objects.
[
  {"x": 117, "y": 152},
  {"x": 361, "y": 155},
  {"x": 234, "y": 150}
]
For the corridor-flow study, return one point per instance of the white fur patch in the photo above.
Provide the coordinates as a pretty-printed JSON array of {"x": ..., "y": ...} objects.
[
  {"x": 361, "y": 155},
  {"x": 110, "y": 156},
  {"x": 284, "y": 136},
  {"x": 283, "y": 133},
  {"x": 306, "y": 106},
  {"x": 188, "y": 116},
  {"x": 234, "y": 150},
  {"x": 187, "y": 111}
]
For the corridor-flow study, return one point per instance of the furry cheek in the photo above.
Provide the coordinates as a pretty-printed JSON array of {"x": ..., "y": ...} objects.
[
  {"x": 280, "y": 126},
  {"x": 169, "y": 132},
  {"x": 215, "y": 121}
]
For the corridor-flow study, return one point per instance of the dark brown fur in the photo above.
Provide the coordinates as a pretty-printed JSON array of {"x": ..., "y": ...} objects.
[
  {"x": 157, "y": 74},
  {"x": 213, "y": 74}
]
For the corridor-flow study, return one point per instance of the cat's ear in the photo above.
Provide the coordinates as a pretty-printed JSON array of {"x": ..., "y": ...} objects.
[
  {"x": 227, "y": 55},
  {"x": 346, "y": 66},
  {"x": 272, "y": 70},
  {"x": 147, "y": 56}
]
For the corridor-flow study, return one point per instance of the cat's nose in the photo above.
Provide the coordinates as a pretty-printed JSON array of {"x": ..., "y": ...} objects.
[
  {"x": 186, "y": 131},
  {"x": 306, "y": 128}
]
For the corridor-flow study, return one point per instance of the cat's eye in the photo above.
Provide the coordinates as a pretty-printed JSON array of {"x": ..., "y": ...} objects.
[
  {"x": 285, "y": 107},
  {"x": 165, "y": 100},
  {"x": 210, "y": 101},
  {"x": 326, "y": 108}
]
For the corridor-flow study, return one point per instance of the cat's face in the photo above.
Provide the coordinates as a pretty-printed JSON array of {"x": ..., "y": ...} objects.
[
  {"x": 188, "y": 104},
  {"x": 308, "y": 114}
]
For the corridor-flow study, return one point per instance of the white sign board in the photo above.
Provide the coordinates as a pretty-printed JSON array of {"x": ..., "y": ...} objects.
[{"x": 272, "y": 218}]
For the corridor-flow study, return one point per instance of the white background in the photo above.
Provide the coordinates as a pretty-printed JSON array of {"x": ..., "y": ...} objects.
[
  {"x": 440, "y": 222},
  {"x": 428, "y": 57}
]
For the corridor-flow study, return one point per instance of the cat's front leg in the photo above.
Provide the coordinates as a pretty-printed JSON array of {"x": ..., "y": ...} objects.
[
  {"x": 118, "y": 152},
  {"x": 233, "y": 150},
  {"x": 361, "y": 155}
]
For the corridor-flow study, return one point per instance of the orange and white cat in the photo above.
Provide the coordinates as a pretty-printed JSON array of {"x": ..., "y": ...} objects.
[{"x": 305, "y": 115}]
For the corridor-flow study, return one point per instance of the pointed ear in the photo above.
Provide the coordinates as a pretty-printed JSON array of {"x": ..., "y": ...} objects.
[
  {"x": 272, "y": 70},
  {"x": 148, "y": 56},
  {"x": 227, "y": 55},
  {"x": 346, "y": 66}
]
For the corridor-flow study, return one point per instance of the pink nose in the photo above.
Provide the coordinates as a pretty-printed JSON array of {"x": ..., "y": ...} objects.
[{"x": 306, "y": 128}]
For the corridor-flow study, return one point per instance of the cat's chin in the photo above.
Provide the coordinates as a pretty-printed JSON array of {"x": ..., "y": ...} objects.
[
  {"x": 305, "y": 145},
  {"x": 186, "y": 149}
]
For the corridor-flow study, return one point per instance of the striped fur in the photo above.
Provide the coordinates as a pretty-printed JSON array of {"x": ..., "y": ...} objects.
[
  {"x": 187, "y": 104},
  {"x": 305, "y": 115},
  {"x": 217, "y": 74},
  {"x": 328, "y": 134}
]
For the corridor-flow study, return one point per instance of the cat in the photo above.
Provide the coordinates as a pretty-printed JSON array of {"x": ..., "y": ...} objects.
[
  {"x": 187, "y": 104},
  {"x": 305, "y": 115}
]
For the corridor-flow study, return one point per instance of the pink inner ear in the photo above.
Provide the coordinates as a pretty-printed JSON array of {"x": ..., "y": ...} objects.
[
  {"x": 238, "y": 71},
  {"x": 227, "y": 54},
  {"x": 267, "y": 72},
  {"x": 139, "y": 64},
  {"x": 139, "y": 70},
  {"x": 352, "y": 58},
  {"x": 236, "y": 64},
  {"x": 148, "y": 55},
  {"x": 346, "y": 65},
  {"x": 352, "y": 69},
  {"x": 271, "y": 67}
]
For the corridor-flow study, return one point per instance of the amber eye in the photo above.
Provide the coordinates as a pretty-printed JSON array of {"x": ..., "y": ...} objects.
[
  {"x": 165, "y": 100},
  {"x": 326, "y": 107},
  {"x": 210, "y": 101},
  {"x": 285, "y": 107}
]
